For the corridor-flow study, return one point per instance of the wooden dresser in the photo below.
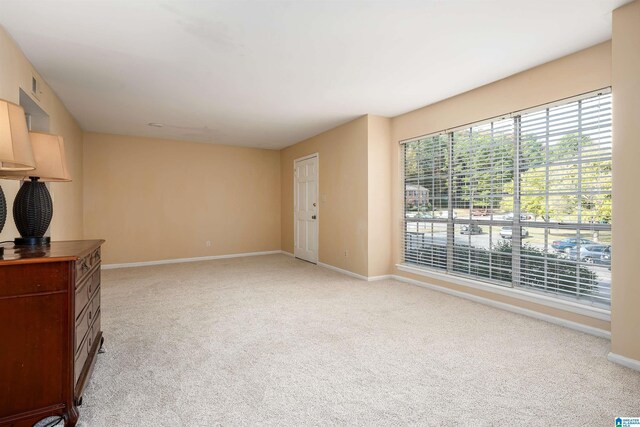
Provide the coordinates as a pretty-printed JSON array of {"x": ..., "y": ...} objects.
[{"x": 49, "y": 329}]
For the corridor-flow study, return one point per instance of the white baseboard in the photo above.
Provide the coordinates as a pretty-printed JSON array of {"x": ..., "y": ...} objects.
[
  {"x": 340, "y": 270},
  {"x": 624, "y": 361},
  {"x": 497, "y": 304},
  {"x": 287, "y": 253},
  {"x": 599, "y": 313},
  {"x": 181, "y": 260},
  {"x": 512, "y": 308},
  {"x": 376, "y": 278}
]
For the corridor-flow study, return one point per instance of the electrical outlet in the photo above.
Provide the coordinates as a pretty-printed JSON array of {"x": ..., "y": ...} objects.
[{"x": 208, "y": 243}]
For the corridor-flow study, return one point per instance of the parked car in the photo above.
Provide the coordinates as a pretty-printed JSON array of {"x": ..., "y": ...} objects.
[
  {"x": 523, "y": 216},
  {"x": 565, "y": 245},
  {"x": 470, "y": 229},
  {"x": 481, "y": 212},
  {"x": 418, "y": 215},
  {"x": 507, "y": 232},
  {"x": 592, "y": 254},
  {"x": 606, "y": 256}
]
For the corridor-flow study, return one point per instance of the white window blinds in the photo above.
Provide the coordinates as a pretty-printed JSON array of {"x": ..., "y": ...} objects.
[{"x": 522, "y": 201}]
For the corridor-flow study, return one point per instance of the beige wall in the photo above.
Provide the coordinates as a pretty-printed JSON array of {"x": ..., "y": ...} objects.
[
  {"x": 154, "y": 199},
  {"x": 355, "y": 195},
  {"x": 15, "y": 73},
  {"x": 568, "y": 76},
  {"x": 581, "y": 72},
  {"x": 342, "y": 215},
  {"x": 625, "y": 309},
  {"x": 379, "y": 195}
]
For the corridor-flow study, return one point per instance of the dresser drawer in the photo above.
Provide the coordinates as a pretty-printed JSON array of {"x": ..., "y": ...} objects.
[
  {"x": 86, "y": 290},
  {"x": 85, "y": 347},
  {"x": 86, "y": 319},
  {"x": 95, "y": 328},
  {"x": 96, "y": 303},
  {"x": 81, "y": 358},
  {"x": 85, "y": 265},
  {"x": 16, "y": 280}
]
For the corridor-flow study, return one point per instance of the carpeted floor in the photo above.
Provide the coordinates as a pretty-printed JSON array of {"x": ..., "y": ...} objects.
[{"x": 271, "y": 340}]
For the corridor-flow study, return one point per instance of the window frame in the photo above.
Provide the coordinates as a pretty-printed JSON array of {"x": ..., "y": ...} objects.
[{"x": 587, "y": 307}]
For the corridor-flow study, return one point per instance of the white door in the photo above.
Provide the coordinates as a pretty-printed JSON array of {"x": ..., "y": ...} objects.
[{"x": 305, "y": 209}]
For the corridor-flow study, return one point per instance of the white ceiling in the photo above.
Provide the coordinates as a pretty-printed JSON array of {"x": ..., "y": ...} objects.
[{"x": 271, "y": 73}]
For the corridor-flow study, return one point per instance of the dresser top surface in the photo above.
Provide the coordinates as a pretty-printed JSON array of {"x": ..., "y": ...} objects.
[{"x": 70, "y": 250}]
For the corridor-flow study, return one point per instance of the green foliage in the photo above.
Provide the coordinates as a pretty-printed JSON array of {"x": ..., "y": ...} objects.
[
  {"x": 482, "y": 163},
  {"x": 532, "y": 199},
  {"x": 563, "y": 276},
  {"x": 429, "y": 158},
  {"x": 576, "y": 186},
  {"x": 483, "y": 166}
]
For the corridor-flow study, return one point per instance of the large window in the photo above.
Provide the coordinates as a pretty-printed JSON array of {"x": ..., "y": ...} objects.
[{"x": 523, "y": 200}]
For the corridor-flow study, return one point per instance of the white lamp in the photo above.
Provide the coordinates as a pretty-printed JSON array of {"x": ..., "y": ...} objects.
[
  {"x": 15, "y": 148},
  {"x": 33, "y": 207}
]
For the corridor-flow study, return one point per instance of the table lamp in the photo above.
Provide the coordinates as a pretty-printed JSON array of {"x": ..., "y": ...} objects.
[
  {"x": 33, "y": 207},
  {"x": 15, "y": 148}
]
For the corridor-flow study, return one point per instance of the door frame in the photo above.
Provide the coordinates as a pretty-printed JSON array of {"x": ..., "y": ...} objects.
[{"x": 308, "y": 156}]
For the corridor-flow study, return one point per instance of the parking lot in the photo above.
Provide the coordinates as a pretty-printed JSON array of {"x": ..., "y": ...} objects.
[{"x": 540, "y": 238}]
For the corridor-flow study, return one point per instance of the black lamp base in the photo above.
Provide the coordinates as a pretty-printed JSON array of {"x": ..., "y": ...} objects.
[
  {"x": 32, "y": 212},
  {"x": 32, "y": 241},
  {"x": 3, "y": 209}
]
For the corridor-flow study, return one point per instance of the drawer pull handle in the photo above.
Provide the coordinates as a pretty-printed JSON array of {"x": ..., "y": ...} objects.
[{"x": 89, "y": 314}]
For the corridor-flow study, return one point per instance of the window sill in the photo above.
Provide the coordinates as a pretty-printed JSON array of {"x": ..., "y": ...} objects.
[{"x": 533, "y": 297}]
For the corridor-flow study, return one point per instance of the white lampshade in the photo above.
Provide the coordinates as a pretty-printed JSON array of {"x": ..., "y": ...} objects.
[
  {"x": 50, "y": 160},
  {"x": 15, "y": 149}
]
